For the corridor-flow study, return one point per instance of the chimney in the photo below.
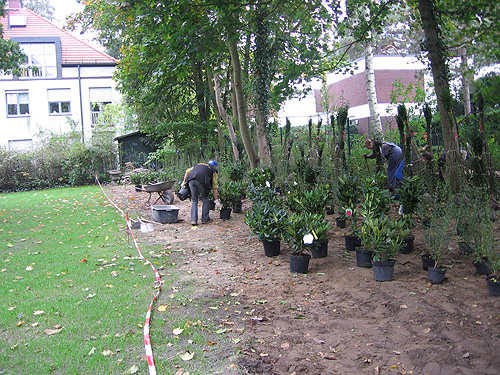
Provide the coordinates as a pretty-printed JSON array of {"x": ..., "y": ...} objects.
[{"x": 13, "y": 4}]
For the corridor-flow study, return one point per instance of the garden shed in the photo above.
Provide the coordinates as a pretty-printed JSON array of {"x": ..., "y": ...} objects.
[{"x": 134, "y": 148}]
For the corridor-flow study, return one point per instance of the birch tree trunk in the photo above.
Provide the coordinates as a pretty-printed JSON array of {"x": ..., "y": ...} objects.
[{"x": 371, "y": 92}]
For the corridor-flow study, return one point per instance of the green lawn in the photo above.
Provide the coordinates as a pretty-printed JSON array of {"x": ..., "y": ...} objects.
[{"x": 74, "y": 295}]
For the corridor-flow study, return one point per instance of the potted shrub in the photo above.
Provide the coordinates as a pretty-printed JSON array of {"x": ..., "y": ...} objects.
[
  {"x": 319, "y": 228},
  {"x": 384, "y": 237},
  {"x": 262, "y": 177},
  {"x": 229, "y": 194},
  {"x": 312, "y": 201},
  {"x": 266, "y": 220},
  {"x": 239, "y": 189},
  {"x": 483, "y": 242},
  {"x": 300, "y": 240},
  {"x": 493, "y": 281},
  {"x": 376, "y": 204},
  {"x": 438, "y": 236},
  {"x": 411, "y": 193},
  {"x": 348, "y": 196}
]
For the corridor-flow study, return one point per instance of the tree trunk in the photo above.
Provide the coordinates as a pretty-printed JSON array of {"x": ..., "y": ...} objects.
[
  {"x": 454, "y": 172},
  {"x": 216, "y": 110},
  {"x": 371, "y": 92},
  {"x": 200, "y": 98},
  {"x": 226, "y": 118},
  {"x": 465, "y": 80},
  {"x": 262, "y": 63},
  {"x": 241, "y": 105}
]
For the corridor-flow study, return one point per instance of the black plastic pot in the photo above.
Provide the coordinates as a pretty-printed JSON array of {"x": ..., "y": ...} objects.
[
  {"x": 407, "y": 245},
  {"x": 321, "y": 251},
  {"x": 482, "y": 267},
  {"x": 272, "y": 248},
  {"x": 464, "y": 248},
  {"x": 493, "y": 285},
  {"x": 364, "y": 258},
  {"x": 225, "y": 213},
  {"x": 237, "y": 207},
  {"x": 299, "y": 263},
  {"x": 383, "y": 271},
  {"x": 340, "y": 222},
  {"x": 436, "y": 275},
  {"x": 427, "y": 261},
  {"x": 352, "y": 242}
]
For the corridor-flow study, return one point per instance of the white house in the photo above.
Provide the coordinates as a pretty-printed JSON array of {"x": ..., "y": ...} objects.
[
  {"x": 347, "y": 88},
  {"x": 62, "y": 78}
]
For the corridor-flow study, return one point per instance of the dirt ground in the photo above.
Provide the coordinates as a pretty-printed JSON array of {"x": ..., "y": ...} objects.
[{"x": 336, "y": 319}]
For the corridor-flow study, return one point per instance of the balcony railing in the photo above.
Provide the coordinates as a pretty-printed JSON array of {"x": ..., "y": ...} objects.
[{"x": 38, "y": 71}]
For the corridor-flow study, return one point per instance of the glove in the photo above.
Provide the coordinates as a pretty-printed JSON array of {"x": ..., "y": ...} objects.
[
  {"x": 183, "y": 185},
  {"x": 217, "y": 204}
]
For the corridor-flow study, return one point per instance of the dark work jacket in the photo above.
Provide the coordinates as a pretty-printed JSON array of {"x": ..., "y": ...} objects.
[{"x": 202, "y": 173}]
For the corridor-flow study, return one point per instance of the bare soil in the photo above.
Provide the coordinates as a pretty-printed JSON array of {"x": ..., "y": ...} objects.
[{"x": 335, "y": 319}]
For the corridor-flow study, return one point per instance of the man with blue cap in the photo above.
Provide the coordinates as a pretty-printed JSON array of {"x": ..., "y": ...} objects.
[{"x": 200, "y": 179}]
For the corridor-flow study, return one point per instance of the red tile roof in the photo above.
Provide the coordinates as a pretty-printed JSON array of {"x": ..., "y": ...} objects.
[{"x": 74, "y": 51}]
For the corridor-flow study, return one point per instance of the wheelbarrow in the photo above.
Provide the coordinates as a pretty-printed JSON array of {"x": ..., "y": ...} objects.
[{"x": 162, "y": 189}]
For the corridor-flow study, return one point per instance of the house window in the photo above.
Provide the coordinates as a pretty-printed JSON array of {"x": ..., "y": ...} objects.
[
  {"x": 59, "y": 101},
  {"x": 41, "y": 60},
  {"x": 18, "y": 104},
  {"x": 99, "y": 98},
  {"x": 96, "y": 109}
]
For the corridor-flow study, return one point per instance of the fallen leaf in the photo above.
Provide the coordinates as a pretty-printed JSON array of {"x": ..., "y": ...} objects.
[
  {"x": 133, "y": 370},
  {"x": 11, "y": 308},
  {"x": 162, "y": 308},
  {"x": 92, "y": 351},
  {"x": 83, "y": 261},
  {"x": 51, "y": 332},
  {"x": 403, "y": 307},
  {"x": 427, "y": 330},
  {"x": 106, "y": 352},
  {"x": 35, "y": 324},
  {"x": 177, "y": 331},
  {"x": 285, "y": 345},
  {"x": 114, "y": 273},
  {"x": 187, "y": 356},
  {"x": 38, "y": 312},
  {"x": 29, "y": 268},
  {"x": 19, "y": 323}
]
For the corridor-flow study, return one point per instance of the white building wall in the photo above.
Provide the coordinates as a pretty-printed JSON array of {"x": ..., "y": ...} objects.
[{"x": 78, "y": 81}]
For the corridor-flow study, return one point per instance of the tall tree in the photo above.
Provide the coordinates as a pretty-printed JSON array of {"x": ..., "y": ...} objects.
[
  {"x": 163, "y": 39},
  {"x": 437, "y": 56},
  {"x": 41, "y": 7}
]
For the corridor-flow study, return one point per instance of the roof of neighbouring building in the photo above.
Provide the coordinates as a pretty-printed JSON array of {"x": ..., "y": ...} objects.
[{"x": 74, "y": 50}]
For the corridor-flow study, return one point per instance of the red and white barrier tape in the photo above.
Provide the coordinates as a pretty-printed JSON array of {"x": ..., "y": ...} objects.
[{"x": 147, "y": 338}]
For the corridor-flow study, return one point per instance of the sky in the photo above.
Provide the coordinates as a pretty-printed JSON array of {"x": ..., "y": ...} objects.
[{"x": 64, "y": 8}]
